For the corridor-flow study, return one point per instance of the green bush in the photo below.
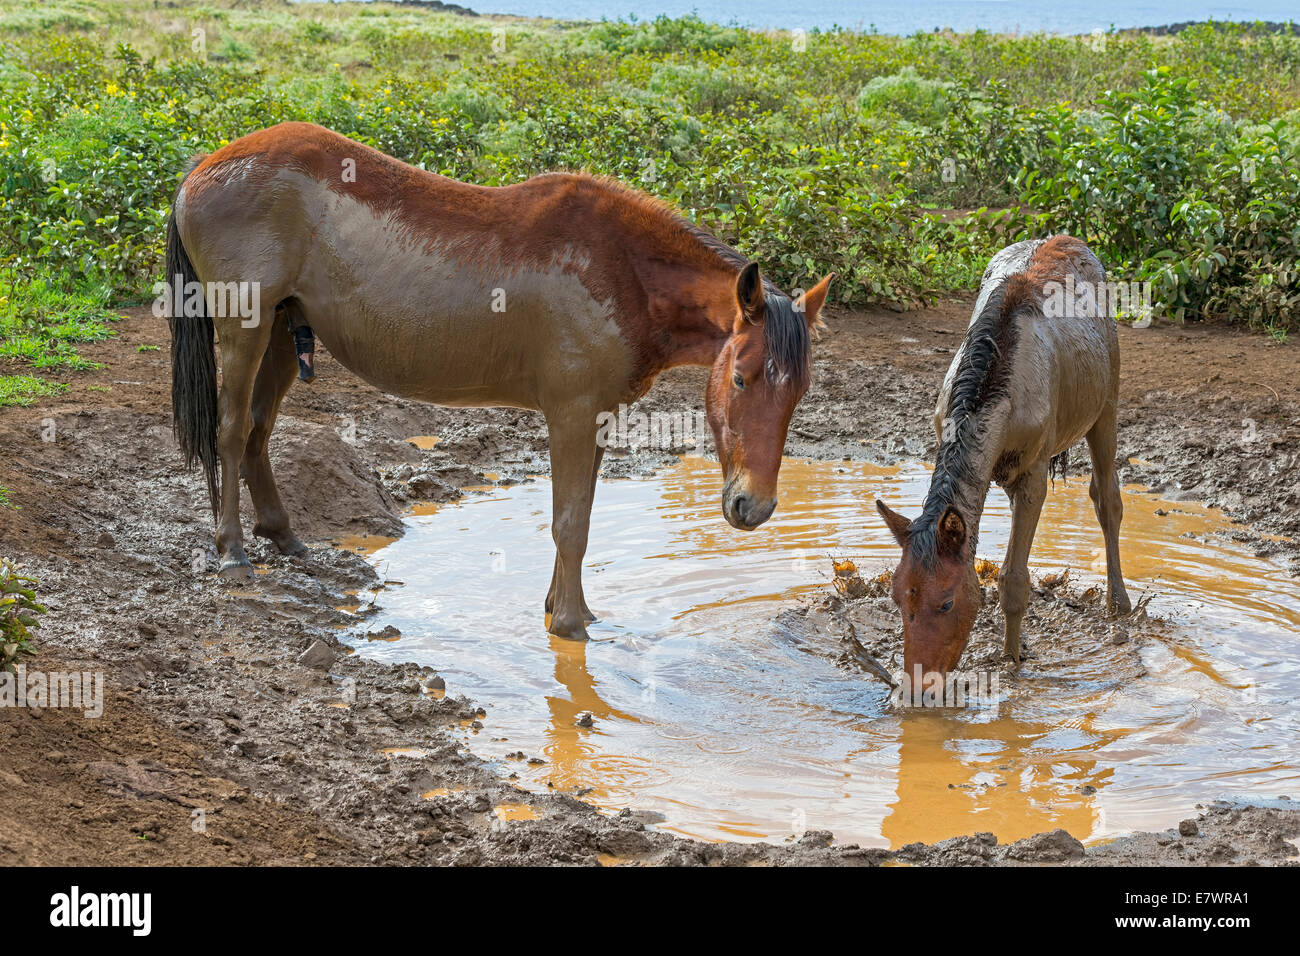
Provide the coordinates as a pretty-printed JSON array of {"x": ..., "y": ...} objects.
[
  {"x": 18, "y": 615},
  {"x": 908, "y": 95},
  {"x": 1175, "y": 194}
]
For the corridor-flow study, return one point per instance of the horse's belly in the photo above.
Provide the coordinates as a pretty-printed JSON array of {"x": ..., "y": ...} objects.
[
  {"x": 1068, "y": 382},
  {"x": 441, "y": 360},
  {"x": 426, "y": 325}
]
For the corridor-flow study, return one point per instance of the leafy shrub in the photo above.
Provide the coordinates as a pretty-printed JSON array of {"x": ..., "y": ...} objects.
[
  {"x": 908, "y": 95},
  {"x": 663, "y": 35},
  {"x": 18, "y": 615},
  {"x": 1179, "y": 196}
]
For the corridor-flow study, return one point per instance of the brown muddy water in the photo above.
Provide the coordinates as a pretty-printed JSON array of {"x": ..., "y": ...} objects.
[{"x": 703, "y": 710}]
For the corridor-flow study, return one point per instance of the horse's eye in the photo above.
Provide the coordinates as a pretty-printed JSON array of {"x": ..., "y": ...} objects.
[
  {"x": 738, "y": 380},
  {"x": 946, "y": 606}
]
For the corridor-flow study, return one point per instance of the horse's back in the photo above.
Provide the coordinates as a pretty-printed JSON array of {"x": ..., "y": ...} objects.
[
  {"x": 1067, "y": 366},
  {"x": 424, "y": 286},
  {"x": 1064, "y": 360}
]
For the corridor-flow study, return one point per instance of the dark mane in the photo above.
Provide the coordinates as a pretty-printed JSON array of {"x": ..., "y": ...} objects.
[
  {"x": 785, "y": 330},
  {"x": 981, "y": 379}
]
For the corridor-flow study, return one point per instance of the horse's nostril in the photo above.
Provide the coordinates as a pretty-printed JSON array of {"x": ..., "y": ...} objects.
[{"x": 741, "y": 506}]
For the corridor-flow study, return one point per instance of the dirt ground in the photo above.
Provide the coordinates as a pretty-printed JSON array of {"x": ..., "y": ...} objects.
[{"x": 219, "y": 745}]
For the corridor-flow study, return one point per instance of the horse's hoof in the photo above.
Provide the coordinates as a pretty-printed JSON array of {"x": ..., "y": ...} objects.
[
  {"x": 236, "y": 569},
  {"x": 290, "y": 546},
  {"x": 286, "y": 541},
  {"x": 571, "y": 632}
]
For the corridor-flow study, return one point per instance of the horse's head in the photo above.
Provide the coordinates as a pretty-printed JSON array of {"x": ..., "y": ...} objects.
[
  {"x": 756, "y": 382},
  {"x": 936, "y": 590}
]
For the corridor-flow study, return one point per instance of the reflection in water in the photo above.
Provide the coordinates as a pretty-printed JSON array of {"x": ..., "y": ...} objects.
[
  {"x": 702, "y": 711},
  {"x": 957, "y": 777},
  {"x": 573, "y": 761}
]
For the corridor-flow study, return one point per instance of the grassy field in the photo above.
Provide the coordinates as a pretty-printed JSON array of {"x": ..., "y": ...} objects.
[{"x": 899, "y": 163}]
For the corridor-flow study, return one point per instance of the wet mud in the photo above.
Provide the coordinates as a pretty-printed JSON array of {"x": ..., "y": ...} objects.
[{"x": 253, "y": 705}]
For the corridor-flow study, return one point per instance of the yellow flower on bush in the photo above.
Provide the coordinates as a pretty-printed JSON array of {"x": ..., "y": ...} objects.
[{"x": 112, "y": 89}]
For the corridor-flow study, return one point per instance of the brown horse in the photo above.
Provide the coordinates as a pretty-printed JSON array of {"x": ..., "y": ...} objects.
[
  {"x": 1037, "y": 371},
  {"x": 565, "y": 293}
]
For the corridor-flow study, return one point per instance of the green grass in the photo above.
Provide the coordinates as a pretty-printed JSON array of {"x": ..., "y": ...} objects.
[
  {"x": 22, "y": 389},
  {"x": 40, "y": 327}
]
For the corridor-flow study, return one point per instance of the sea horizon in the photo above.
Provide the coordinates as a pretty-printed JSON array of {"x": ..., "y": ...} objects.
[{"x": 997, "y": 16}]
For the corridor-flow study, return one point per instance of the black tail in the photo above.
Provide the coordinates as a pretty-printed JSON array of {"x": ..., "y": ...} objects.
[{"x": 194, "y": 367}]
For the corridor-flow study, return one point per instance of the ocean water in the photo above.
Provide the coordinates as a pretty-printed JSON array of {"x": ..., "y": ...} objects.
[{"x": 1003, "y": 16}]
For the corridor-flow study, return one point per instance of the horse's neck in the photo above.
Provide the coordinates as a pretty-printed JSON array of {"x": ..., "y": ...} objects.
[
  {"x": 971, "y": 483},
  {"x": 689, "y": 321}
]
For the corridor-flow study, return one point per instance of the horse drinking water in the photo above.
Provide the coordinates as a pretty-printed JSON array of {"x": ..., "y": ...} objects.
[
  {"x": 1037, "y": 371},
  {"x": 565, "y": 293}
]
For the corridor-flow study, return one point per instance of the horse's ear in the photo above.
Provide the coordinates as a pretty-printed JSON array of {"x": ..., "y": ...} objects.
[
  {"x": 896, "y": 523},
  {"x": 813, "y": 300},
  {"x": 749, "y": 293},
  {"x": 952, "y": 533}
]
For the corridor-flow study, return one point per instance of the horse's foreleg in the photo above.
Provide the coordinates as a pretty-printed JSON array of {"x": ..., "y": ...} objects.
[
  {"x": 1109, "y": 505},
  {"x": 1027, "y": 497},
  {"x": 573, "y": 458},
  {"x": 241, "y": 356},
  {"x": 278, "y": 370},
  {"x": 555, "y": 574}
]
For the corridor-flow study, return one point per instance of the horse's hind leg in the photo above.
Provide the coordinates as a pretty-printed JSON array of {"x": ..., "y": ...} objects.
[
  {"x": 274, "y": 377},
  {"x": 1027, "y": 497},
  {"x": 573, "y": 455},
  {"x": 1109, "y": 505},
  {"x": 555, "y": 575},
  {"x": 242, "y": 350}
]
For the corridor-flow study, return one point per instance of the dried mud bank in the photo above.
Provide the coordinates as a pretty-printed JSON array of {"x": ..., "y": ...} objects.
[{"x": 238, "y": 729}]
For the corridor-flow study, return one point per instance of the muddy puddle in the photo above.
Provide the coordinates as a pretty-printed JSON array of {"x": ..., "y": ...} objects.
[{"x": 691, "y": 703}]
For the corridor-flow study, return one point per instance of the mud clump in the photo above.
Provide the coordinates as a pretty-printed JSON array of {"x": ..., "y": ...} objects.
[
  {"x": 848, "y": 582},
  {"x": 1056, "y": 846},
  {"x": 325, "y": 486}
]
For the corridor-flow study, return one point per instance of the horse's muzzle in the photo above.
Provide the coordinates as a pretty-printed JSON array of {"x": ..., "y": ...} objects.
[{"x": 743, "y": 511}]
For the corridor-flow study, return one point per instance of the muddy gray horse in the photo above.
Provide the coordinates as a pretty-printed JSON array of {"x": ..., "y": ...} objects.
[
  {"x": 1037, "y": 371},
  {"x": 566, "y": 293}
]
